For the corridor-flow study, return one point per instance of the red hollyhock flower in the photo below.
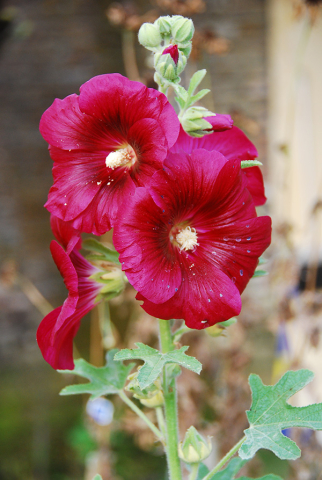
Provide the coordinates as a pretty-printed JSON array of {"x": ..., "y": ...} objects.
[
  {"x": 57, "y": 330},
  {"x": 190, "y": 243},
  {"x": 67, "y": 236},
  {"x": 233, "y": 144},
  {"x": 104, "y": 143}
]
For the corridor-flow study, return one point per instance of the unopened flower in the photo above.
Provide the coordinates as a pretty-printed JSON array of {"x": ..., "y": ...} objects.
[
  {"x": 104, "y": 143},
  {"x": 190, "y": 242},
  {"x": 194, "y": 448},
  {"x": 198, "y": 122},
  {"x": 233, "y": 144}
]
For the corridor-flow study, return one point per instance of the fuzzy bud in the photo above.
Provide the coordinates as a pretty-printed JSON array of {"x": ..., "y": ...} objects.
[
  {"x": 165, "y": 64},
  {"x": 164, "y": 25},
  {"x": 151, "y": 396},
  {"x": 149, "y": 36},
  {"x": 194, "y": 448},
  {"x": 194, "y": 123},
  {"x": 182, "y": 29}
]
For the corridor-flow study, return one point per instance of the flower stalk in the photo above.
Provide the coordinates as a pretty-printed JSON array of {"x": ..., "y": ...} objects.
[
  {"x": 170, "y": 405},
  {"x": 225, "y": 459}
]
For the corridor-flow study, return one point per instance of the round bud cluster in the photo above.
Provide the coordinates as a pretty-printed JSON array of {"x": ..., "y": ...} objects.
[{"x": 169, "y": 38}]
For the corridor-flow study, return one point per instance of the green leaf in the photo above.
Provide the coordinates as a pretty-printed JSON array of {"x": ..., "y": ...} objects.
[
  {"x": 250, "y": 163},
  {"x": 270, "y": 414},
  {"x": 97, "y": 477},
  {"x": 181, "y": 92},
  {"x": 180, "y": 102},
  {"x": 203, "y": 471},
  {"x": 260, "y": 273},
  {"x": 102, "y": 380},
  {"x": 270, "y": 476},
  {"x": 105, "y": 253},
  {"x": 196, "y": 79},
  {"x": 154, "y": 361},
  {"x": 262, "y": 260},
  {"x": 233, "y": 467},
  {"x": 198, "y": 96}
]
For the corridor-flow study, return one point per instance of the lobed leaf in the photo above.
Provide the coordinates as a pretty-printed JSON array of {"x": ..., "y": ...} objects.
[
  {"x": 270, "y": 414},
  {"x": 102, "y": 380},
  {"x": 154, "y": 361},
  {"x": 233, "y": 467}
]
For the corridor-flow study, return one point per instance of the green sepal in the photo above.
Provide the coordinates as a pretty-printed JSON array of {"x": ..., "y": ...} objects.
[
  {"x": 154, "y": 361},
  {"x": 250, "y": 163},
  {"x": 260, "y": 273},
  {"x": 102, "y": 380},
  {"x": 106, "y": 253},
  {"x": 97, "y": 477},
  {"x": 270, "y": 414}
]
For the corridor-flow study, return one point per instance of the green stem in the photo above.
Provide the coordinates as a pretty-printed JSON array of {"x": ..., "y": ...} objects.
[
  {"x": 225, "y": 459},
  {"x": 170, "y": 406},
  {"x": 194, "y": 471},
  {"x": 161, "y": 422},
  {"x": 139, "y": 412}
]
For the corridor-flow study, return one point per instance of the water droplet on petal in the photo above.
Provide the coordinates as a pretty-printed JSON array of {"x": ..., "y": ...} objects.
[
  {"x": 168, "y": 286},
  {"x": 238, "y": 239},
  {"x": 176, "y": 289},
  {"x": 241, "y": 273},
  {"x": 247, "y": 226},
  {"x": 208, "y": 299},
  {"x": 249, "y": 238},
  {"x": 248, "y": 251},
  {"x": 225, "y": 239},
  {"x": 220, "y": 294}
]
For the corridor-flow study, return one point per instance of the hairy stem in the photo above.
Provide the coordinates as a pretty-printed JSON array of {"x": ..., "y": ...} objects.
[
  {"x": 142, "y": 415},
  {"x": 170, "y": 406},
  {"x": 194, "y": 471},
  {"x": 225, "y": 459}
]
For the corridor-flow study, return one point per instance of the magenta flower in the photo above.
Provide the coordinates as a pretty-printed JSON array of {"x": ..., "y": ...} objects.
[
  {"x": 233, "y": 144},
  {"x": 104, "y": 143},
  {"x": 66, "y": 235},
  {"x": 57, "y": 330},
  {"x": 173, "y": 51},
  {"x": 190, "y": 242}
]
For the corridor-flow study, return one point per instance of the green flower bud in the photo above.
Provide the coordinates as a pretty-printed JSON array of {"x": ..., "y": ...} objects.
[
  {"x": 112, "y": 278},
  {"x": 193, "y": 121},
  {"x": 194, "y": 448},
  {"x": 182, "y": 29},
  {"x": 149, "y": 36},
  {"x": 168, "y": 65},
  {"x": 151, "y": 396},
  {"x": 164, "y": 25}
]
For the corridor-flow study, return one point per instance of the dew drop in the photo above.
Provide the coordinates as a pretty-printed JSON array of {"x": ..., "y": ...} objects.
[
  {"x": 249, "y": 238},
  {"x": 151, "y": 279},
  {"x": 204, "y": 321},
  {"x": 225, "y": 239},
  {"x": 241, "y": 273},
  {"x": 168, "y": 286},
  {"x": 175, "y": 289},
  {"x": 238, "y": 239},
  {"x": 248, "y": 251},
  {"x": 220, "y": 294},
  {"x": 208, "y": 299},
  {"x": 247, "y": 226}
]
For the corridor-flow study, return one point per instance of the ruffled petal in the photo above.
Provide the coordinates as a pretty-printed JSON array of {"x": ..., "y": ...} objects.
[
  {"x": 255, "y": 184},
  {"x": 67, "y": 236},
  {"x": 155, "y": 271}
]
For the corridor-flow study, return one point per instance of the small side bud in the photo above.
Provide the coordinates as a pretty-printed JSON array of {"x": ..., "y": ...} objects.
[
  {"x": 164, "y": 25},
  {"x": 182, "y": 29},
  {"x": 198, "y": 121},
  {"x": 151, "y": 396},
  {"x": 173, "y": 51},
  {"x": 194, "y": 448},
  {"x": 149, "y": 36}
]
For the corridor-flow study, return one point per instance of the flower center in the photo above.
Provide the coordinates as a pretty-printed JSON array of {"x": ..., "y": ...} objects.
[
  {"x": 187, "y": 238},
  {"x": 124, "y": 157}
]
